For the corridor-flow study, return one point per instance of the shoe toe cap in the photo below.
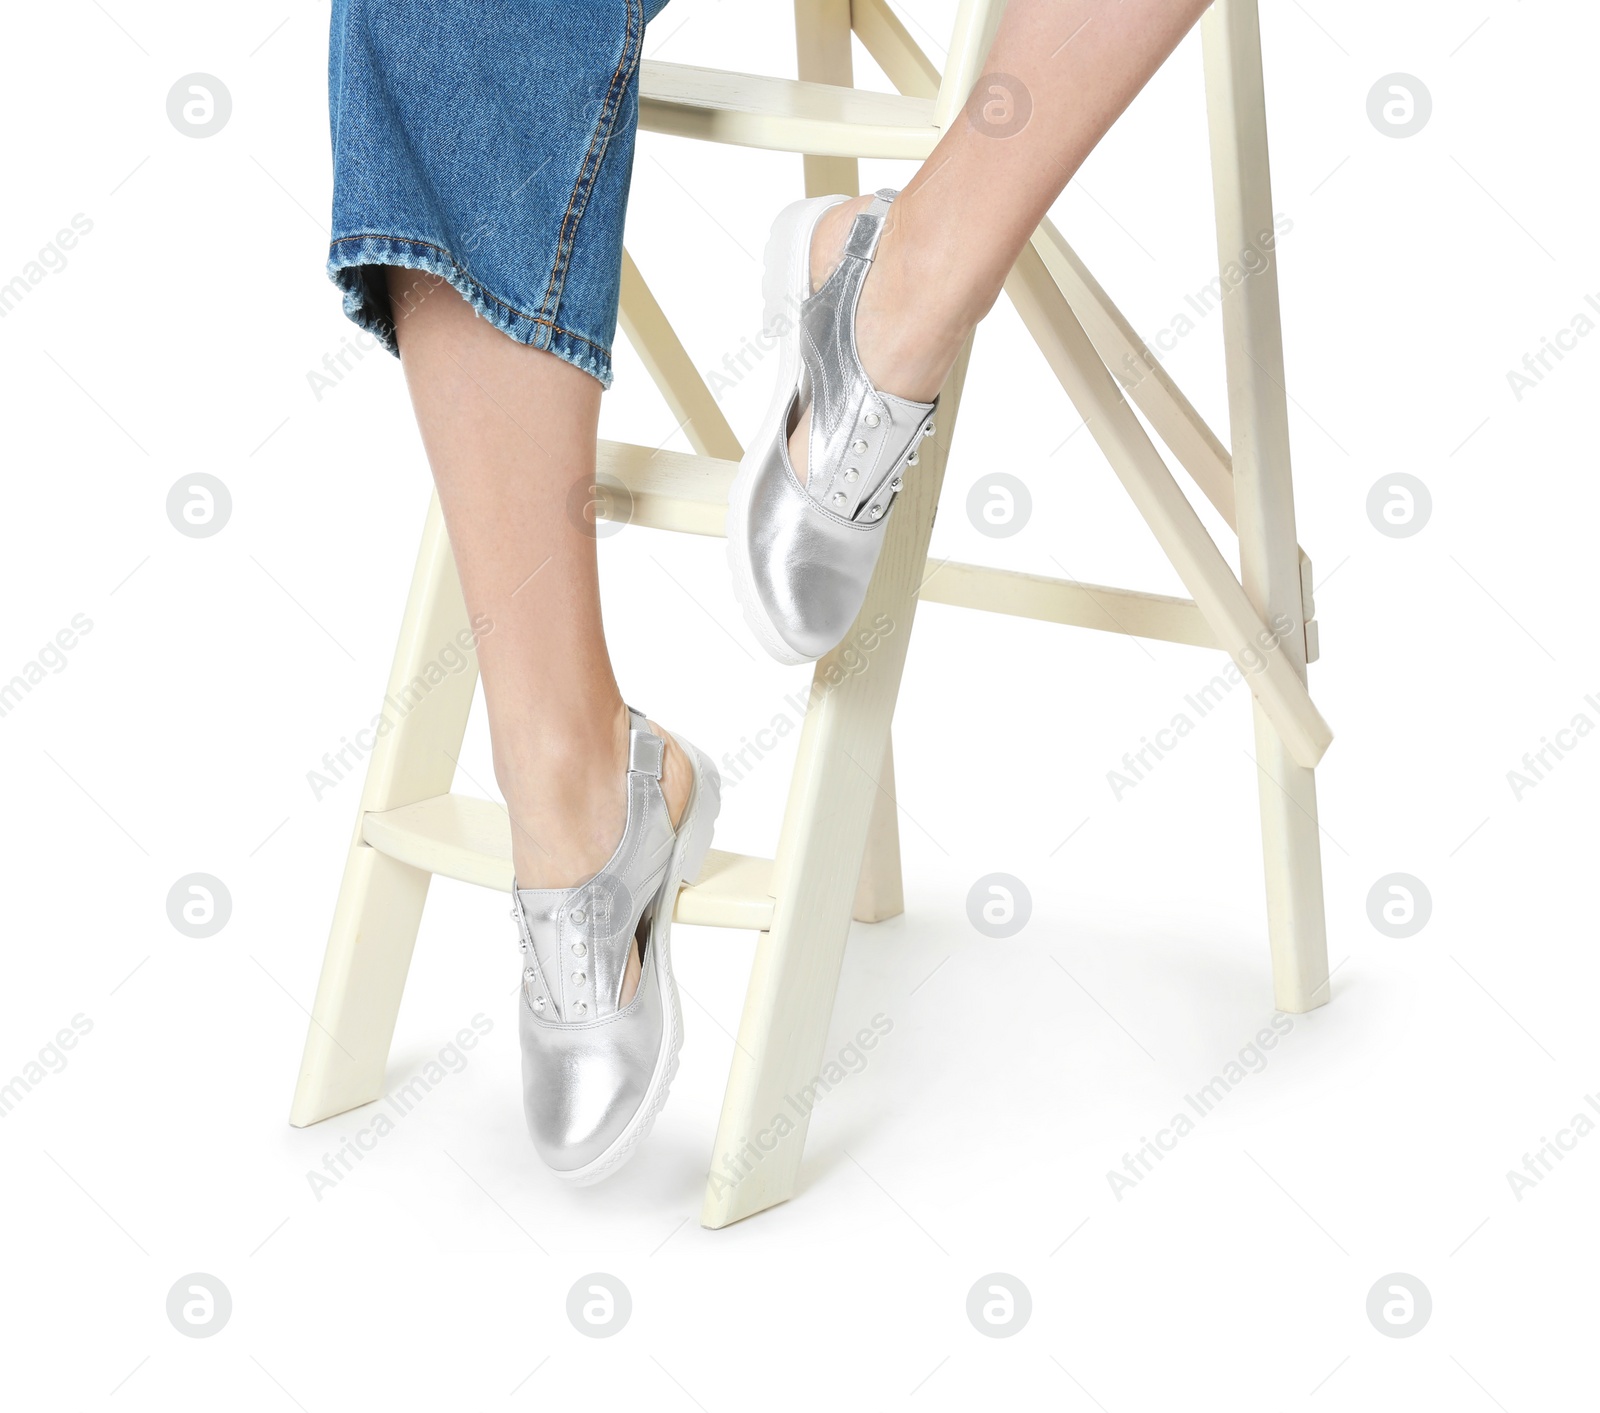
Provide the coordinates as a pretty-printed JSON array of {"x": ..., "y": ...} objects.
[
  {"x": 583, "y": 1085},
  {"x": 810, "y": 569}
]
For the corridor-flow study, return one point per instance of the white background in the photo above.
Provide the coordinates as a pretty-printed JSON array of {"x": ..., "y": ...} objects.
[{"x": 177, "y": 738}]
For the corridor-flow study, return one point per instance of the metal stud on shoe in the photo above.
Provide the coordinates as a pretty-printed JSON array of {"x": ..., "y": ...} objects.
[
  {"x": 871, "y": 419},
  {"x": 852, "y": 475},
  {"x": 838, "y": 497}
]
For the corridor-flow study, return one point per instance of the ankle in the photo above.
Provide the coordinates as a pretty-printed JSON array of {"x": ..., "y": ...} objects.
[
  {"x": 917, "y": 269},
  {"x": 907, "y": 342},
  {"x": 560, "y": 840},
  {"x": 574, "y": 748},
  {"x": 566, "y": 792},
  {"x": 911, "y": 319}
]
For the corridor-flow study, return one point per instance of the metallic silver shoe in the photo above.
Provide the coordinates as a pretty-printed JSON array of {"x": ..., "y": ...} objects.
[
  {"x": 802, "y": 556},
  {"x": 595, "y": 1074}
]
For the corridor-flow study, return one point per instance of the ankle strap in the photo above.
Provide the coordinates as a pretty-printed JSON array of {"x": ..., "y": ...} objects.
[
  {"x": 645, "y": 749},
  {"x": 862, "y": 242}
]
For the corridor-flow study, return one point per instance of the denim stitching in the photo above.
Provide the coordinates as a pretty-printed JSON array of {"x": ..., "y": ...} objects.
[
  {"x": 482, "y": 289},
  {"x": 344, "y": 50},
  {"x": 627, "y": 66}
]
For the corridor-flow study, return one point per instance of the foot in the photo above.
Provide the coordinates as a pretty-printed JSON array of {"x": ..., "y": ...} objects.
[
  {"x": 569, "y": 806},
  {"x": 804, "y": 536},
  {"x": 906, "y": 347},
  {"x": 597, "y": 1063}
]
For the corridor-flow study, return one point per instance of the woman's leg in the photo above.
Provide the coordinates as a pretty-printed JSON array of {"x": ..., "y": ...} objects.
[
  {"x": 510, "y": 432},
  {"x": 954, "y": 232}
]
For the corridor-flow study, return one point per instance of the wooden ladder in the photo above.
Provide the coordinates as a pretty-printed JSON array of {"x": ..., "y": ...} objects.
[{"x": 838, "y": 853}]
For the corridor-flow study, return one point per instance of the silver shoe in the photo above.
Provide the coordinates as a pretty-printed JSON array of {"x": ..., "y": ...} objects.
[
  {"x": 802, "y": 556},
  {"x": 595, "y": 1074}
]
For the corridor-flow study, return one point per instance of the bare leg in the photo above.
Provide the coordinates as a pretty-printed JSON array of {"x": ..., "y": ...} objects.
[
  {"x": 510, "y": 434},
  {"x": 956, "y": 229}
]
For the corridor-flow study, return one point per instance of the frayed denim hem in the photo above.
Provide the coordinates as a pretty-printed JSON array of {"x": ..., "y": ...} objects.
[{"x": 354, "y": 265}]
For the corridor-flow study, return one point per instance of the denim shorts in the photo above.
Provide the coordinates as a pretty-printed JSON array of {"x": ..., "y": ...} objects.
[{"x": 491, "y": 143}]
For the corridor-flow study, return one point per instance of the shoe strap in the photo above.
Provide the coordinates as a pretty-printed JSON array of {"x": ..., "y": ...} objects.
[
  {"x": 646, "y": 750},
  {"x": 862, "y": 242}
]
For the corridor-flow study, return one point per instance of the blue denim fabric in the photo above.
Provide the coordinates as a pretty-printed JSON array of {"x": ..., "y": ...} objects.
[{"x": 490, "y": 142}]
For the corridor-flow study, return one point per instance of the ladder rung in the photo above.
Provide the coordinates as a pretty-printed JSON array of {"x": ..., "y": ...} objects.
[
  {"x": 674, "y": 490},
  {"x": 666, "y": 490},
  {"x": 1009, "y": 591},
  {"x": 782, "y": 115},
  {"x": 459, "y": 836}
]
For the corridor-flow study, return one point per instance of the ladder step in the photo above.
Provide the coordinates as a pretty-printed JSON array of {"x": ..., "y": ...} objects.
[
  {"x": 675, "y": 490},
  {"x": 782, "y": 115},
  {"x": 1010, "y": 591},
  {"x": 459, "y": 836},
  {"x": 666, "y": 490}
]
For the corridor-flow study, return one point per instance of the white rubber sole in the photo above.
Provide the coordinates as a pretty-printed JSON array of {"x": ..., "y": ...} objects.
[
  {"x": 785, "y": 285},
  {"x": 688, "y": 858}
]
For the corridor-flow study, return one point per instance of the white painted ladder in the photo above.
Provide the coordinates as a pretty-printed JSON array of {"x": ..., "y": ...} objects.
[{"x": 838, "y": 853}]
